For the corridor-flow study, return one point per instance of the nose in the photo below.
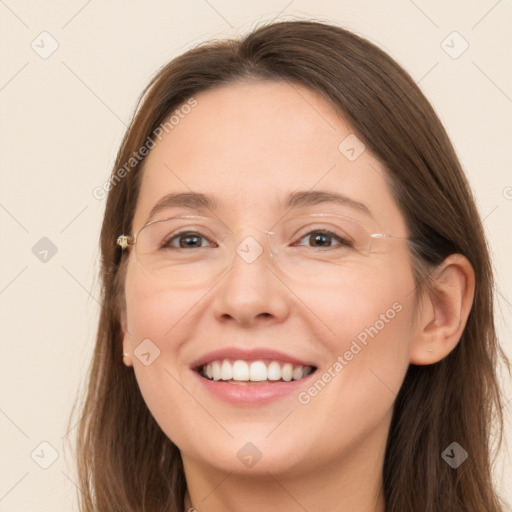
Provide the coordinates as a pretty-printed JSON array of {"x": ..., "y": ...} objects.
[{"x": 251, "y": 292}]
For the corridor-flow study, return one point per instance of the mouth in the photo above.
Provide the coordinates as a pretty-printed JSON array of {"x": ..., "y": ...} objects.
[{"x": 256, "y": 372}]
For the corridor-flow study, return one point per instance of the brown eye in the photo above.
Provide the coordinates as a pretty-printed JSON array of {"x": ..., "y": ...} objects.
[
  {"x": 186, "y": 239},
  {"x": 324, "y": 239}
]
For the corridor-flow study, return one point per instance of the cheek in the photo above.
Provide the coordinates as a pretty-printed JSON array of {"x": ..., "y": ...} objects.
[
  {"x": 367, "y": 320},
  {"x": 156, "y": 310},
  {"x": 157, "y": 321},
  {"x": 377, "y": 294},
  {"x": 373, "y": 322},
  {"x": 371, "y": 362}
]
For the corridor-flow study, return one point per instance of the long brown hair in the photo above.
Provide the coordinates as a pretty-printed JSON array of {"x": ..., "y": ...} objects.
[{"x": 126, "y": 463}]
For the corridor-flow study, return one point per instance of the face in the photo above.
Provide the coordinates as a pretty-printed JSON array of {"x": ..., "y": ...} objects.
[{"x": 250, "y": 146}]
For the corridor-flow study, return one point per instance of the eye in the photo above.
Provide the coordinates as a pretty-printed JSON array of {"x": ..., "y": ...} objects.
[
  {"x": 322, "y": 238},
  {"x": 185, "y": 239}
]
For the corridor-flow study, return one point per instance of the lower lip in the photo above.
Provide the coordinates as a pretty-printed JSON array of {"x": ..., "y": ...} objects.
[{"x": 252, "y": 394}]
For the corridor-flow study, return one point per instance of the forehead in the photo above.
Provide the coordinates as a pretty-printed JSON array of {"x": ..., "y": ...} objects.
[{"x": 250, "y": 144}]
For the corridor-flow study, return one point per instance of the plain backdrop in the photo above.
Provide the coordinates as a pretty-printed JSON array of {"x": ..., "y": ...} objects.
[{"x": 70, "y": 76}]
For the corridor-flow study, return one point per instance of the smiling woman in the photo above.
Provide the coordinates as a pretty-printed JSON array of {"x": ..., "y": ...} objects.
[{"x": 297, "y": 294}]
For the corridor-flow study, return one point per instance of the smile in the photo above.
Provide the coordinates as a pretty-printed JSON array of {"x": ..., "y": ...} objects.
[{"x": 247, "y": 372}]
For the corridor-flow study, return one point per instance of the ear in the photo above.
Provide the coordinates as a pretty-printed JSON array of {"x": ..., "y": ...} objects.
[
  {"x": 127, "y": 345},
  {"x": 444, "y": 312}
]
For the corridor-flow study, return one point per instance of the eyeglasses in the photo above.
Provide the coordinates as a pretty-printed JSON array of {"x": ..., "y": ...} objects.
[{"x": 316, "y": 248}]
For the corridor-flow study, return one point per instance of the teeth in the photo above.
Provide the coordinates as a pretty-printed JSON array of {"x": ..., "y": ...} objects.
[
  {"x": 254, "y": 371},
  {"x": 287, "y": 372},
  {"x": 257, "y": 371},
  {"x": 226, "y": 373},
  {"x": 297, "y": 373},
  {"x": 240, "y": 370},
  {"x": 216, "y": 370},
  {"x": 274, "y": 371}
]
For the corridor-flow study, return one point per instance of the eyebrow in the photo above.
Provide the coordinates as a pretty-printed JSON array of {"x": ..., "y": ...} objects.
[{"x": 299, "y": 199}]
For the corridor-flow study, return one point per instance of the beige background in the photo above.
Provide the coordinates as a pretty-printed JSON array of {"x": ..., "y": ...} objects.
[{"x": 63, "y": 118}]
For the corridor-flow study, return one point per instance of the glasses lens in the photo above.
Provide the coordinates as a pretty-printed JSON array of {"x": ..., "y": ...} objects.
[
  {"x": 186, "y": 249},
  {"x": 192, "y": 249},
  {"x": 319, "y": 249}
]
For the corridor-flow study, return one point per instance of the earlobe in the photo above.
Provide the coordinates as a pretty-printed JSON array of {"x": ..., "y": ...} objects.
[{"x": 444, "y": 312}]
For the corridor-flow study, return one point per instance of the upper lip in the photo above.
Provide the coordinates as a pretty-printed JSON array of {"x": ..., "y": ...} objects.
[{"x": 253, "y": 354}]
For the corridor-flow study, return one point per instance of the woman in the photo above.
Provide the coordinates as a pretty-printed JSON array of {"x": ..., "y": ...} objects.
[{"x": 297, "y": 294}]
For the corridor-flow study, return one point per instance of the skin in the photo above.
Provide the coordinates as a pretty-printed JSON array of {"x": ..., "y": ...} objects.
[{"x": 250, "y": 144}]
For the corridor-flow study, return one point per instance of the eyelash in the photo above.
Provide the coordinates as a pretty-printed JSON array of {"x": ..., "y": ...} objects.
[{"x": 166, "y": 243}]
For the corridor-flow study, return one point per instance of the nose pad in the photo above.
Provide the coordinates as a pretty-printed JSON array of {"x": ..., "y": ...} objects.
[{"x": 252, "y": 245}]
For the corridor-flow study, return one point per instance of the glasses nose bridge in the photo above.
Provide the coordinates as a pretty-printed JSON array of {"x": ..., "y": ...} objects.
[{"x": 250, "y": 241}]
